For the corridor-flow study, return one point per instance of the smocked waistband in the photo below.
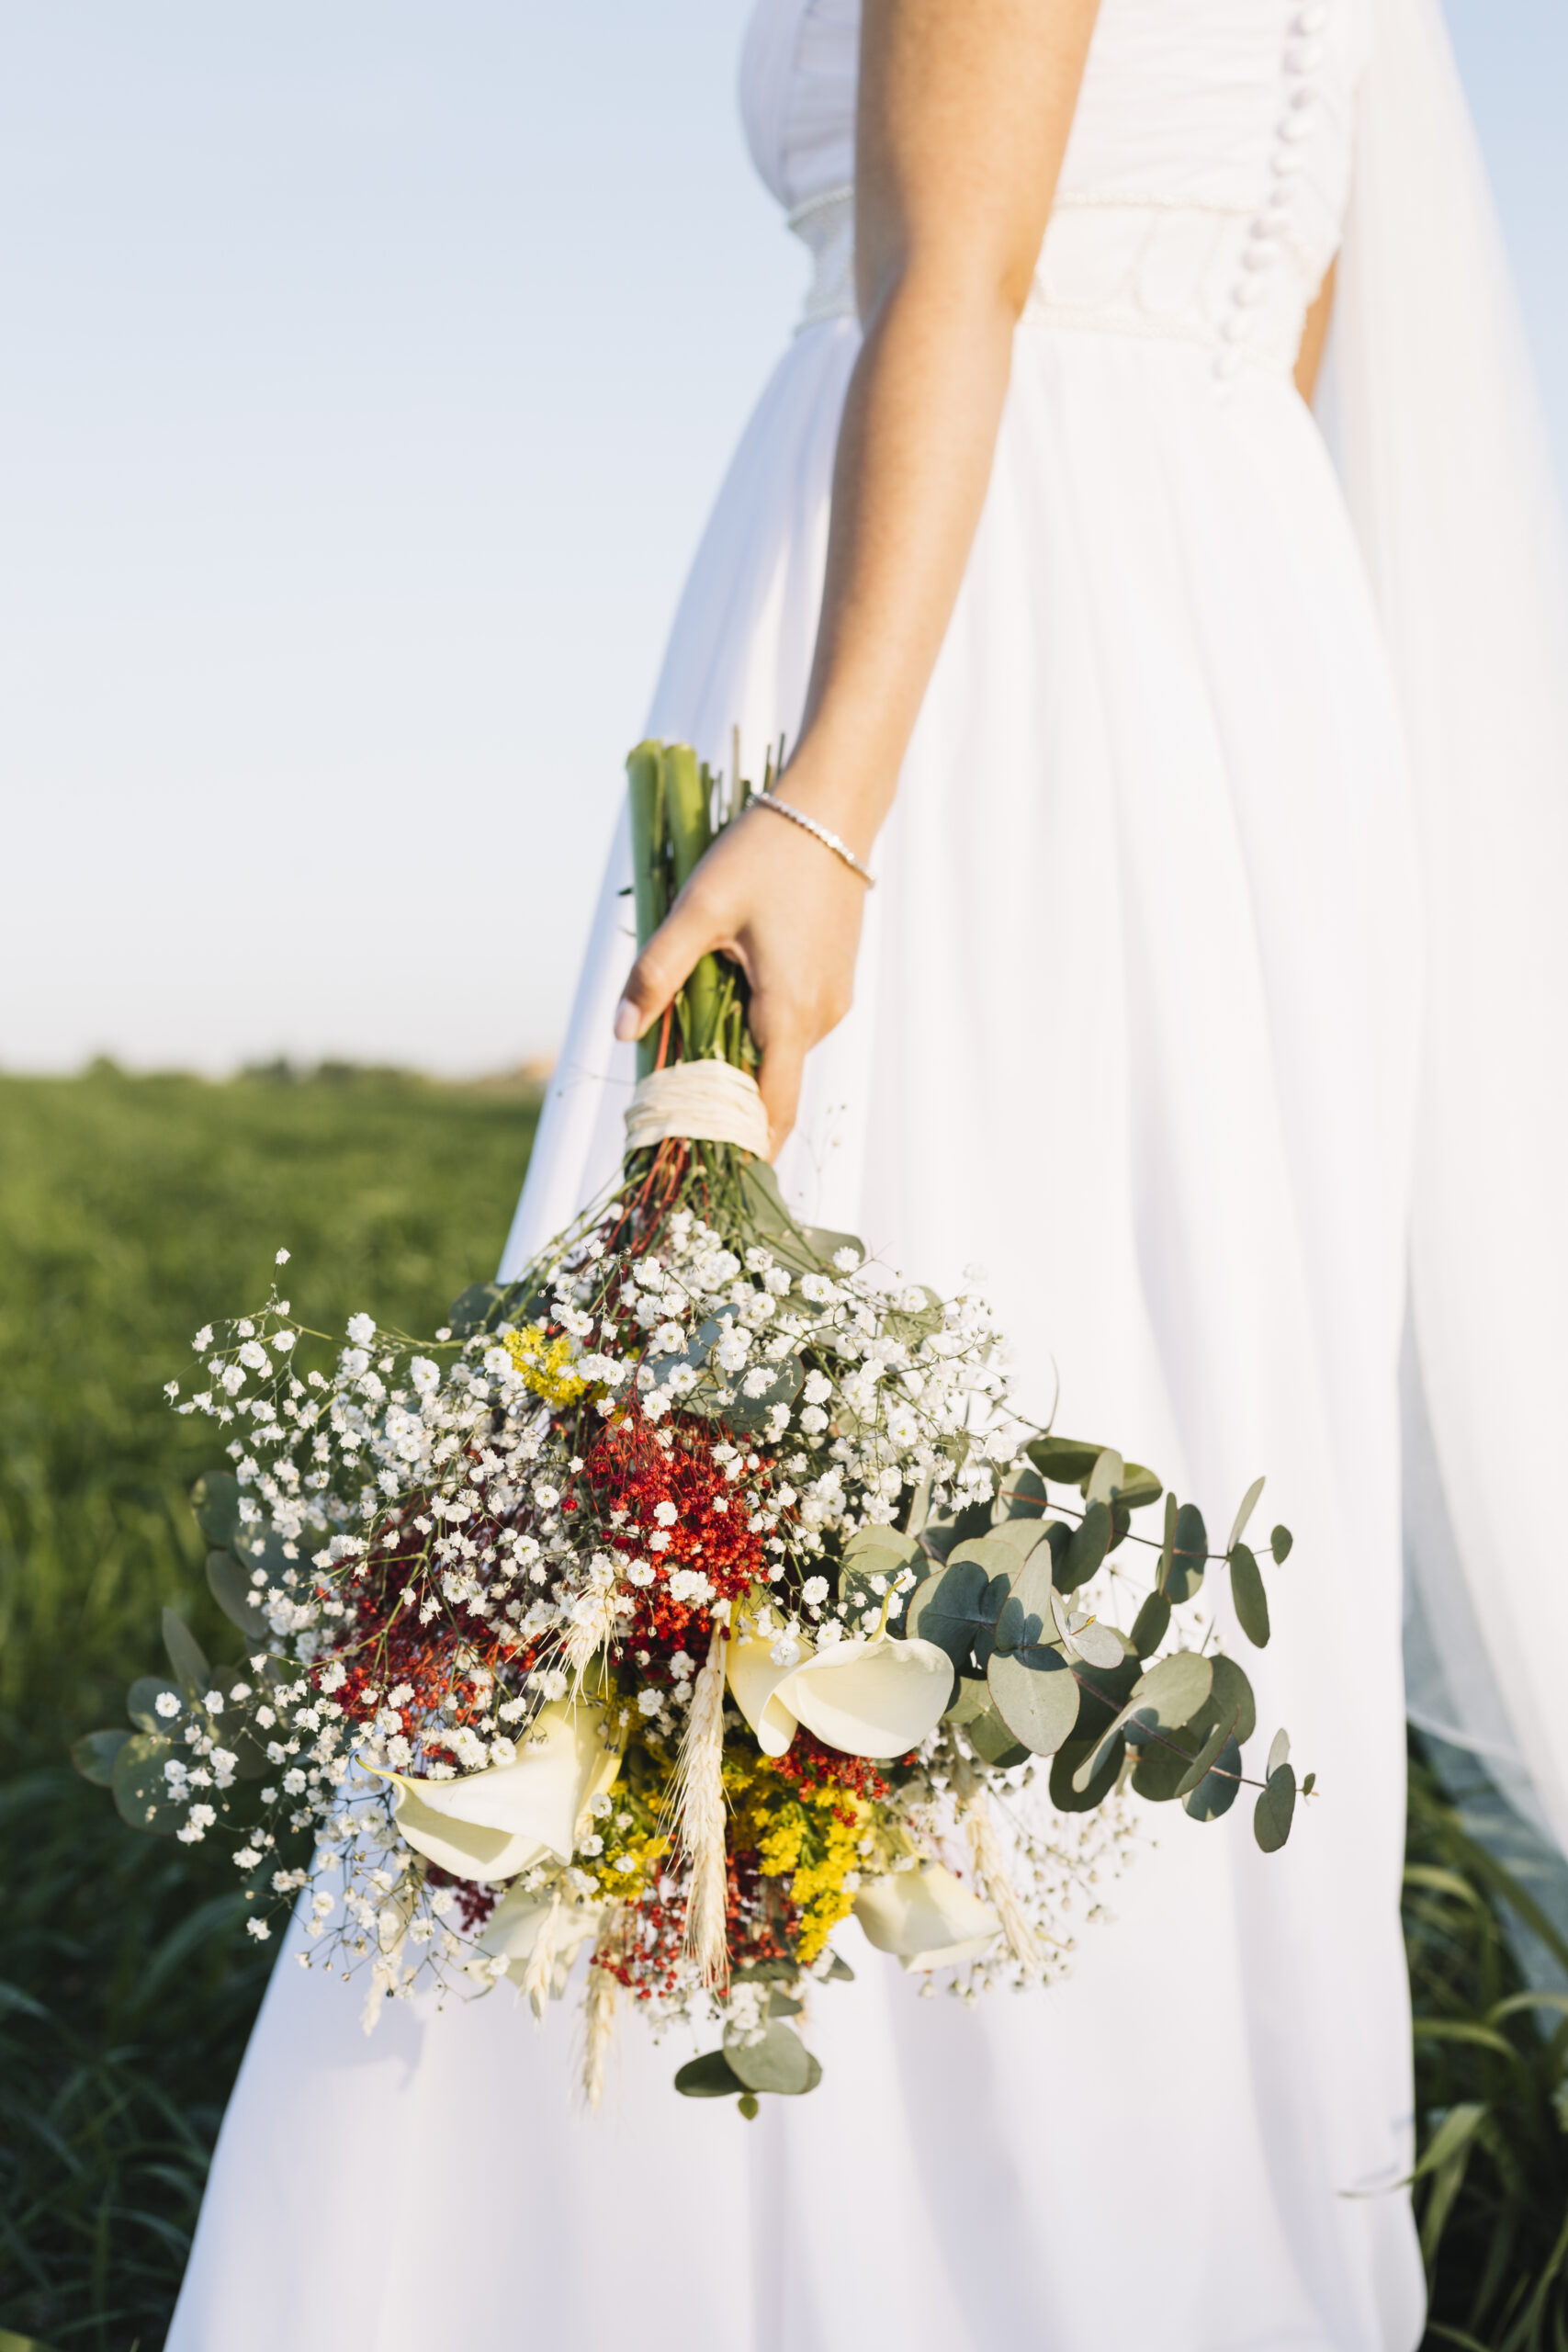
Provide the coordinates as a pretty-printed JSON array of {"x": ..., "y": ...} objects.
[{"x": 1234, "y": 278}]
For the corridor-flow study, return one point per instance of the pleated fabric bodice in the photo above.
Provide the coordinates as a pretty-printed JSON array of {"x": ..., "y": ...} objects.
[{"x": 1204, "y": 186}]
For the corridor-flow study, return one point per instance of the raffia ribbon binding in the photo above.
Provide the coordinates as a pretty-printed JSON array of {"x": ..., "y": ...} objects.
[{"x": 708, "y": 1101}]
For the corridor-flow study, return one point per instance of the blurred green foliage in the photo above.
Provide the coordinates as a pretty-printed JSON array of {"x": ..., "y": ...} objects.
[
  {"x": 1491, "y": 2097},
  {"x": 132, "y": 1210}
]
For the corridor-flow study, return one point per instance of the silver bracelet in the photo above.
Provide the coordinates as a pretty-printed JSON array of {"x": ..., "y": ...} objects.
[{"x": 840, "y": 849}]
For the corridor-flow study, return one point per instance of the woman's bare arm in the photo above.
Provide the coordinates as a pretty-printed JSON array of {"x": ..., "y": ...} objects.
[
  {"x": 1314, "y": 336},
  {"x": 964, "y": 111}
]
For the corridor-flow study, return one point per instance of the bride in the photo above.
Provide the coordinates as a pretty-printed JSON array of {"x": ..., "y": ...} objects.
[{"x": 1207, "y": 995}]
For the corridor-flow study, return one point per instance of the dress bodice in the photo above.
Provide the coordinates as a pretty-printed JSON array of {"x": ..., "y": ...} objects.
[{"x": 1204, "y": 184}]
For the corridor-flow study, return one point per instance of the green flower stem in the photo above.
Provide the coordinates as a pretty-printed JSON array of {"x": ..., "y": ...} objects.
[
  {"x": 672, "y": 796},
  {"x": 688, "y": 790},
  {"x": 650, "y": 888}
]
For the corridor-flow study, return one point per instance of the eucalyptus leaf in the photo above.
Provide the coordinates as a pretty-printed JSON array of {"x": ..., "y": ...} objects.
[
  {"x": 1178, "y": 1686},
  {"x": 256, "y": 1547},
  {"x": 765, "y": 1203},
  {"x": 96, "y": 1754},
  {"x": 140, "y": 1790},
  {"x": 1151, "y": 1624},
  {"x": 1279, "y": 1753},
  {"x": 1271, "y": 1815},
  {"x": 1023, "y": 1496},
  {"x": 957, "y": 1609},
  {"x": 1037, "y": 1695},
  {"x": 803, "y": 1248},
  {"x": 215, "y": 1499},
  {"x": 1163, "y": 1698},
  {"x": 1231, "y": 1701},
  {"x": 873, "y": 1552},
  {"x": 1217, "y": 1740},
  {"x": 1020, "y": 1549},
  {"x": 1101, "y": 1645},
  {"x": 1189, "y": 1546},
  {"x": 1064, "y": 1796},
  {"x": 185, "y": 1655},
  {"x": 825, "y": 1245},
  {"x": 1247, "y": 1594},
  {"x": 142, "y": 1704},
  {"x": 709, "y": 2077},
  {"x": 1032, "y": 1614},
  {"x": 750, "y": 1413},
  {"x": 478, "y": 1307},
  {"x": 1167, "y": 1546},
  {"x": 231, "y": 1589},
  {"x": 1281, "y": 1543},
  {"x": 1071, "y": 1463},
  {"x": 869, "y": 1541},
  {"x": 1140, "y": 1487},
  {"x": 1220, "y": 1788},
  {"x": 971, "y": 1699},
  {"x": 236, "y": 1728},
  {"x": 914, "y": 1323},
  {"x": 1249, "y": 1505},
  {"x": 1105, "y": 1478},
  {"x": 713, "y": 1385},
  {"x": 1105, "y": 1690},
  {"x": 993, "y": 1741},
  {"x": 1063, "y": 1458},
  {"x": 779, "y": 2063},
  {"x": 939, "y": 1538},
  {"x": 1086, "y": 1551},
  {"x": 1164, "y": 1760},
  {"x": 1004, "y": 1548}
]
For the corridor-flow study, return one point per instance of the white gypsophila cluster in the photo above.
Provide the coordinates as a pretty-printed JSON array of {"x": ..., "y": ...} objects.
[{"x": 1061, "y": 1864}]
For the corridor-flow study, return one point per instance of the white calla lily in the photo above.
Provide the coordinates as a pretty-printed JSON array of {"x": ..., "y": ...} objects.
[
  {"x": 926, "y": 1918},
  {"x": 877, "y": 1697},
  {"x": 755, "y": 1676},
  {"x": 494, "y": 1823}
]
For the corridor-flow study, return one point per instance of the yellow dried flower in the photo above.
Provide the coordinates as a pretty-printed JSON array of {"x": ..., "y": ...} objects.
[
  {"x": 804, "y": 1832},
  {"x": 546, "y": 1364}
]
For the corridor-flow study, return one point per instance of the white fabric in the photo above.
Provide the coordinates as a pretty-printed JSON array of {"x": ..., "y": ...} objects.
[
  {"x": 1444, "y": 457},
  {"x": 709, "y": 1102},
  {"x": 1138, "y": 1024}
]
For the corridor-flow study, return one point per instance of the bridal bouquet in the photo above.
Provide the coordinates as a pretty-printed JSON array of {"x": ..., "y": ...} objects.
[{"x": 696, "y": 1590}]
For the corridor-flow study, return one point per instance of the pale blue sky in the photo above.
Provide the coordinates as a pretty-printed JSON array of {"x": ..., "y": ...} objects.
[{"x": 367, "y": 368}]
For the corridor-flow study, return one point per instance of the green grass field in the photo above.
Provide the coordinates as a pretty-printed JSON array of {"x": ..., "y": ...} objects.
[{"x": 131, "y": 1212}]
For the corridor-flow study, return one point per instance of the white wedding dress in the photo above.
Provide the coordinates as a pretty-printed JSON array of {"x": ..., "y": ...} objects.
[{"x": 1138, "y": 1027}]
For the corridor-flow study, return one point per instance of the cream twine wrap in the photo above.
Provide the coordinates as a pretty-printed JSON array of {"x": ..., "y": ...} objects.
[{"x": 709, "y": 1102}]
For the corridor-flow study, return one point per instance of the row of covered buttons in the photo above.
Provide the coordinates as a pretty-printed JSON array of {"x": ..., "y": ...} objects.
[{"x": 1304, "y": 55}]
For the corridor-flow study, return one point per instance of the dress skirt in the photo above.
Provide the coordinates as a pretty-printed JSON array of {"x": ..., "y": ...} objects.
[{"x": 1136, "y": 1030}]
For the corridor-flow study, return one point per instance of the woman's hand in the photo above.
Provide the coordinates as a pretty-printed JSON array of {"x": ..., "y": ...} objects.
[{"x": 789, "y": 912}]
